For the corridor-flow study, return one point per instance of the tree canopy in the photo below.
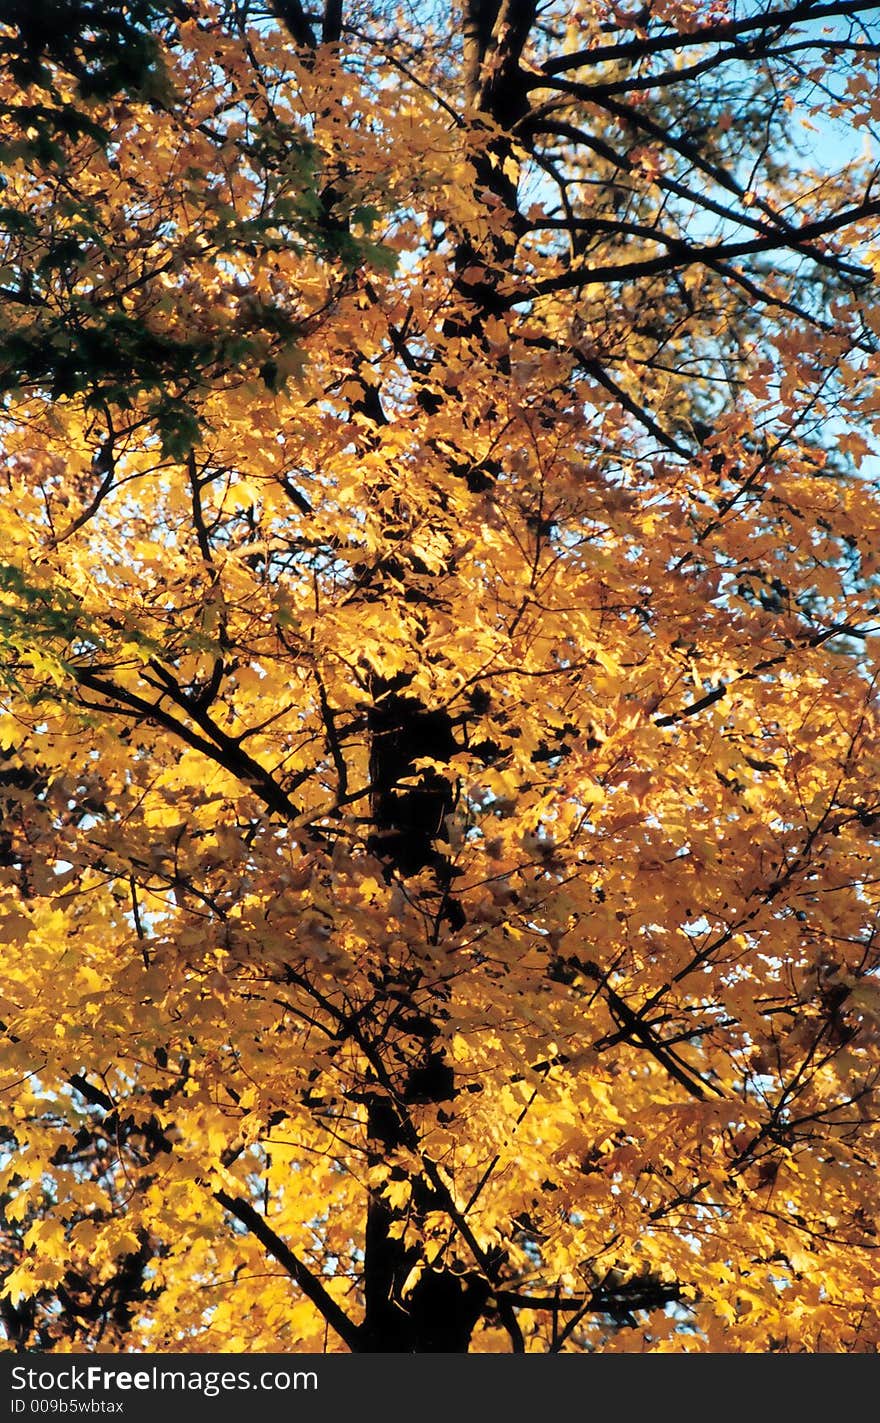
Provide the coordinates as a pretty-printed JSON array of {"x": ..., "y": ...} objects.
[{"x": 439, "y": 736}]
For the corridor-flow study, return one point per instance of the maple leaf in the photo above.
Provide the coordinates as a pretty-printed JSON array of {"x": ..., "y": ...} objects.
[{"x": 438, "y": 716}]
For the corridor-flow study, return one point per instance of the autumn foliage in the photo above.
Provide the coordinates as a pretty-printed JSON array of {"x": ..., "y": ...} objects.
[{"x": 439, "y": 560}]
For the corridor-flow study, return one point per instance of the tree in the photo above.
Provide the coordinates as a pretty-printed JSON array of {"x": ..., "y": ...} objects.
[{"x": 440, "y": 743}]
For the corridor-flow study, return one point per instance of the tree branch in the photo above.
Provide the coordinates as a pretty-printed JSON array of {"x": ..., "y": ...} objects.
[
  {"x": 309, "y": 1284},
  {"x": 708, "y": 34},
  {"x": 291, "y": 13},
  {"x": 681, "y": 254}
]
